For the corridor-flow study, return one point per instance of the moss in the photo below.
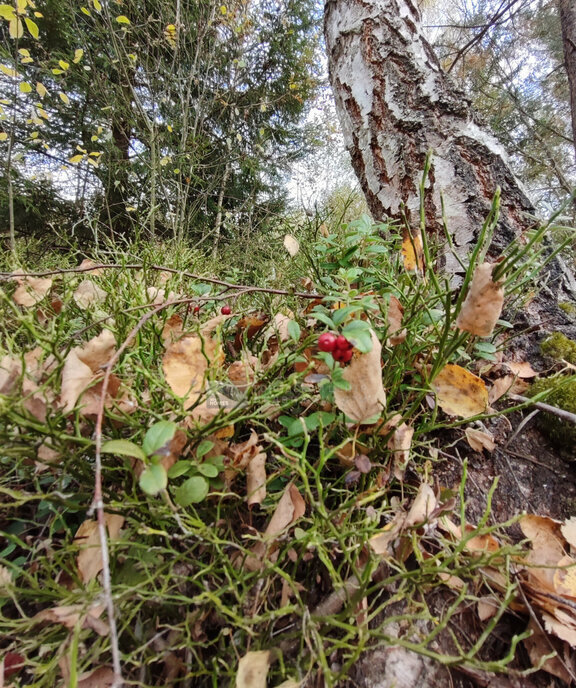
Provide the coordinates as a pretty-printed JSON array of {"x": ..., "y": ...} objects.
[
  {"x": 562, "y": 395},
  {"x": 568, "y": 307},
  {"x": 559, "y": 346}
]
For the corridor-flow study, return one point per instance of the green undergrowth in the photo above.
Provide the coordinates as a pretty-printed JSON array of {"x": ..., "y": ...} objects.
[{"x": 188, "y": 597}]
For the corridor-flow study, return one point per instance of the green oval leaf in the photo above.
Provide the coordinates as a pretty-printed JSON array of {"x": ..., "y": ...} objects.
[
  {"x": 294, "y": 330},
  {"x": 179, "y": 468},
  {"x": 203, "y": 448},
  {"x": 158, "y": 436},
  {"x": 123, "y": 448},
  {"x": 194, "y": 490},
  {"x": 207, "y": 469},
  {"x": 154, "y": 479}
]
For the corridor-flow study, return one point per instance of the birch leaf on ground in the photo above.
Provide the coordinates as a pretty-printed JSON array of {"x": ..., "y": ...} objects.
[
  {"x": 483, "y": 304},
  {"x": 396, "y": 335},
  {"x": 185, "y": 364},
  {"x": 31, "y": 290},
  {"x": 366, "y": 398},
  {"x": 459, "y": 392},
  {"x": 400, "y": 444},
  {"x": 88, "y": 538},
  {"x": 479, "y": 440},
  {"x": 88, "y": 294},
  {"x": 253, "y": 669}
]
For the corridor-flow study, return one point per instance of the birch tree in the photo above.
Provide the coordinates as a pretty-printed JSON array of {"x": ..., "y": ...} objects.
[{"x": 395, "y": 104}]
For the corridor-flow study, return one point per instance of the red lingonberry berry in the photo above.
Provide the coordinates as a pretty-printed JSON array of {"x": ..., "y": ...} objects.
[
  {"x": 196, "y": 309},
  {"x": 342, "y": 343},
  {"x": 337, "y": 354},
  {"x": 346, "y": 355},
  {"x": 327, "y": 341},
  {"x": 225, "y": 310}
]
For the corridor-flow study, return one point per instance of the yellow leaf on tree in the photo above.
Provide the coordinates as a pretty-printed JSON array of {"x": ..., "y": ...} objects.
[
  {"x": 15, "y": 28},
  {"x": 459, "y": 392},
  {"x": 76, "y": 159},
  {"x": 8, "y": 71},
  {"x": 41, "y": 90},
  {"x": 483, "y": 304},
  {"x": 24, "y": 87},
  {"x": 3, "y": 136},
  {"x": 32, "y": 27},
  {"x": 64, "y": 98},
  {"x": 412, "y": 251},
  {"x": 78, "y": 54},
  {"x": 122, "y": 19}
]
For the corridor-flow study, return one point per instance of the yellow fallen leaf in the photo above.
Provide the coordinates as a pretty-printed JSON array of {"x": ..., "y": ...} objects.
[
  {"x": 483, "y": 304},
  {"x": 459, "y": 392},
  {"x": 412, "y": 251},
  {"x": 366, "y": 398}
]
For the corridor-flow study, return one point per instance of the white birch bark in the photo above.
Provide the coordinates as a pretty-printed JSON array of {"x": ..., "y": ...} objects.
[{"x": 395, "y": 104}]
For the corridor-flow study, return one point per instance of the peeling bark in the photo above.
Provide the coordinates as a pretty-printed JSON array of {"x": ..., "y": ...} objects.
[{"x": 395, "y": 104}]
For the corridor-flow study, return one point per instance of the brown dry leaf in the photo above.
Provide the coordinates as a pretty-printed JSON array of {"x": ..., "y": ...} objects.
[
  {"x": 412, "y": 251},
  {"x": 459, "y": 392},
  {"x": 565, "y": 577},
  {"x": 46, "y": 455},
  {"x": 242, "y": 373},
  {"x": 423, "y": 505},
  {"x": 349, "y": 451},
  {"x": 10, "y": 372},
  {"x": 476, "y": 543},
  {"x": 253, "y": 669},
  {"x": 204, "y": 413},
  {"x": 186, "y": 364},
  {"x": 88, "y": 538},
  {"x": 102, "y": 677},
  {"x": 547, "y": 550},
  {"x": 31, "y": 290},
  {"x": 366, "y": 399},
  {"x": 400, "y": 444},
  {"x": 500, "y": 387},
  {"x": 291, "y": 244},
  {"x": 487, "y": 607},
  {"x": 568, "y": 530},
  {"x": 172, "y": 329},
  {"x": 98, "y": 351},
  {"x": 88, "y": 294},
  {"x": 256, "y": 479},
  {"x": 290, "y": 508},
  {"x": 538, "y": 647},
  {"x": 483, "y": 303},
  {"x": 396, "y": 335},
  {"x": 522, "y": 369},
  {"x": 88, "y": 263},
  {"x": 480, "y": 440},
  {"x": 562, "y": 625},
  {"x": 70, "y": 615},
  {"x": 381, "y": 542},
  {"x": 279, "y": 327}
]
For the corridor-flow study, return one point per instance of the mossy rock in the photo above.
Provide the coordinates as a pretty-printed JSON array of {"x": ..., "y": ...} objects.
[
  {"x": 569, "y": 307},
  {"x": 559, "y": 346},
  {"x": 562, "y": 395}
]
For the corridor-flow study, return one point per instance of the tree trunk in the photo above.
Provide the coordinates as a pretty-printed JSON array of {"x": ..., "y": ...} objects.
[
  {"x": 567, "y": 9},
  {"x": 395, "y": 104}
]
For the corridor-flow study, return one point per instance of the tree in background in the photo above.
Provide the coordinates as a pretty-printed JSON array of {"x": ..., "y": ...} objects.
[{"x": 172, "y": 118}]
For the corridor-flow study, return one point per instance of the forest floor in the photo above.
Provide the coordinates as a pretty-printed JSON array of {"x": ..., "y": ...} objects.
[{"x": 195, "y": 493}]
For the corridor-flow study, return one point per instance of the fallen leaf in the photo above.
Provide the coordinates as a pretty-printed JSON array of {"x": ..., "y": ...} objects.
[
  {"x": 479, "y": 440},
  {"x": 423, "y": 505},
  {"x": 88, "y": 263},
  {"x": 253, "y": 669},
  {"x": 538, "y": 647},
  {"x": 256, "y": 479},
  {"x": 381, "y": 543},
  {"x": 560, "y": 625},
  {"x": 172, "y": 329},
  {"x": 412, "y": 251},
  {"x": 10, "y": 372},
  {"x": 98, "y": 351},
  {"x": 186, "y": 364},
  {"x": 459, "y": 392},
  {"x": 87, "y": 537},
  {"x": 396, "y": 335},
  {"x": 565, "y": 577},
  {"x": 291, "y": 244},
  {"x": 46, "y": 455},
  {"x": 483, "y": 303},
  {"x": 290, "y": 508},
  {"x": 88, "y": 294},
  {"x": 500, "y": 387},
  {"x": 31, "y": 290},
  {"x": 487, "y": 608},
  {"x": 400, "y": 444},
  {"x": 522, "y": 369},
  {"x": 366, "y": 398},
  {"x": 547, "y": 549},
  {"x": 102, "y": 677},
  {"x": 242, "y": 373},
  {"x": 73, "y": 614},
  {"x": 568, "y": 530}
]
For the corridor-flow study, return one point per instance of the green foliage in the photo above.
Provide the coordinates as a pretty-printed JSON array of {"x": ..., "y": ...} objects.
[
  {"x": 560, "y": 392},
  {"x": 560, "y": 347}
]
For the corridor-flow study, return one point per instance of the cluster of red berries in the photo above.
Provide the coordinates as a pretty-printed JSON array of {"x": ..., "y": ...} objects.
[
  {"x": 225, "y": 310},
  {"x": 337, "y": 345}
]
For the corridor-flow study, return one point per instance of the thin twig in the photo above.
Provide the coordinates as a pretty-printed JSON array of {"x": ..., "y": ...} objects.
[
  {"x": 98, "y": 501},
  {"x": 561, "y": 413},
  {"x": 117, "y": 266}
]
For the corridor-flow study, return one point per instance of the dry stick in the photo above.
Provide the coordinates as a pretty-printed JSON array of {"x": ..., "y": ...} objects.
[
  {"x": 98, "y": 502},
  {"x": 161, "y": 268},
  {"x": 561, "y": 413}
]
